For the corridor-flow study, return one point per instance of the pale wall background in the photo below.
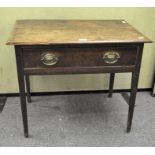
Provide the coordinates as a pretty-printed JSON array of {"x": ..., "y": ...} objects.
[{"x": 141, "y": 18}]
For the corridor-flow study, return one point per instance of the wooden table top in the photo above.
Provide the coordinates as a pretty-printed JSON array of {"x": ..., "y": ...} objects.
[{"x": 45, "y": 32}]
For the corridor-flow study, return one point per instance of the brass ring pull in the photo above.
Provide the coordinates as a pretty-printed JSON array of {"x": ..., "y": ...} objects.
[
  {"x": 49, "y": 59},
  {"x": 111, "y": 57}
]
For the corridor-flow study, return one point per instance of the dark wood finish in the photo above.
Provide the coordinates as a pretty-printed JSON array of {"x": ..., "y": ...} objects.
[
  {"x": 134, "y": 85},
  {"x": 76, "y": 47},
  {"x": 20, "y": 71},
  {"x": 111, "y": 84},
  {"x": 73, "y": 60},
  {"x": 78, "y": 70},
  {"x": 78, "y": 57},
  {"x": 27, "y": 81}
]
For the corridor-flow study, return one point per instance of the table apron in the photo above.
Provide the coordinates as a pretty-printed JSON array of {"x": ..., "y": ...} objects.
[{"x": 79, "y": 70}]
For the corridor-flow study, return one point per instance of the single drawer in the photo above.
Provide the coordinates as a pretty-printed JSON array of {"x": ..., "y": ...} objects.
[
  {"x": 48, "y": 58},
  {"x": 70, "y": 57}
]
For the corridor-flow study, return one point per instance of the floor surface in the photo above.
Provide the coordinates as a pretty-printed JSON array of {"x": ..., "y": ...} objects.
[{"x": 79, "y": 120}]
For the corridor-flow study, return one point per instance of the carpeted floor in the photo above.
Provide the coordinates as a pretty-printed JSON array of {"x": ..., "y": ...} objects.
[{"x": 79, "y": 120}]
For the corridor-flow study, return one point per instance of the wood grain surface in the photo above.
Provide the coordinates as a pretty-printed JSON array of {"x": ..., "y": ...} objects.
[{"x": 45, "y": 32}]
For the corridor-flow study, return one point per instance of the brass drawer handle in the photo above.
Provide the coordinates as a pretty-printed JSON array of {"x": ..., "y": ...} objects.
[
  {"x": 111, "y": 57},
  {"x": 49, "y": 59}
]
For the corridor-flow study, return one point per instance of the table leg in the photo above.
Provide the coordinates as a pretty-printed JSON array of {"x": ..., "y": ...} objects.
[
  {"x": 134, "y": 85},
  {"x": 132, "y": 100},
  {"x": 27, "y": 81},
  {"x": 22, "y": 88},
  {"x": 111, "y": 84}
]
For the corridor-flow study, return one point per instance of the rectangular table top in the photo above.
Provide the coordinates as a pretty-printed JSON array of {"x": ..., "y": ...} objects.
[{"x": 45, "y": 32}]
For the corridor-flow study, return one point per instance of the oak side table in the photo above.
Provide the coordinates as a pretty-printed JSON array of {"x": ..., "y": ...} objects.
[{"x": 44, "y": 47}]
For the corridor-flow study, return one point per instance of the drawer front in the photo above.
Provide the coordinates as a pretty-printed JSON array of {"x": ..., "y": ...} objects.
[{"x": 78, "y": 57}]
